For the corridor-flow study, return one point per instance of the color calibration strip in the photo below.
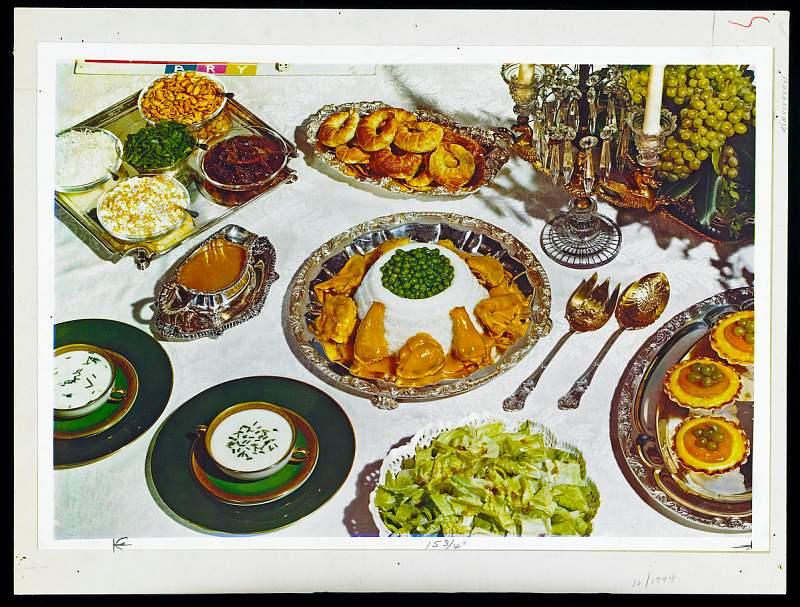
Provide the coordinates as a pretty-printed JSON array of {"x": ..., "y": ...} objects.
[{"x": 218, "y": 68}]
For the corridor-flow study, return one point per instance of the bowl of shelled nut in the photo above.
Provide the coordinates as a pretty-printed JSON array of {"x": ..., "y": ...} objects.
[{"x": 189, "y": 98}]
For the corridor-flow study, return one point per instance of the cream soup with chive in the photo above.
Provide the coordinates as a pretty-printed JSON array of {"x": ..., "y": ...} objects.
[
  {"x": 251, "y": 440},
  {"x": 80, "y": 377}
]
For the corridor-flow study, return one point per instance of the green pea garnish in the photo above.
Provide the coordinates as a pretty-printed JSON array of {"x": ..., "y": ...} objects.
[{"x": 417, "y": 274}]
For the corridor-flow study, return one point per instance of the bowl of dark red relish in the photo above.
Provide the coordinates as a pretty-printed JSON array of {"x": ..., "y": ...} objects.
[{"x": 241, "y": 164}]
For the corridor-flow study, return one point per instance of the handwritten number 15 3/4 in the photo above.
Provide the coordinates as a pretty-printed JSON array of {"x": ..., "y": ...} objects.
[{"x": 445, "y": 544}]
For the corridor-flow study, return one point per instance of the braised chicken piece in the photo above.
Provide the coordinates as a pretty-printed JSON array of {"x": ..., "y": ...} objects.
[
  {"x": 488, "y": 270},
  {"x": 468, "y": 344},
  {"x": 337, "y": 320},
  {"x": 370, "y": 345},
  {"x": 420, "y": 358},
  {"x": 346, "y": 280}
]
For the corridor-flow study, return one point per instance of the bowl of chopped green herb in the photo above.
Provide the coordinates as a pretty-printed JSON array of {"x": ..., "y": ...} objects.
[
  {"x": 85, "y": 379},
  {"x": 253, "y": 440}
]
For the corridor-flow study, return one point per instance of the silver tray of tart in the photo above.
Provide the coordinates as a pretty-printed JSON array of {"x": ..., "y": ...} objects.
[
  {"x": 418, "y": 152},
  {"x": 682, "y": 415},
  {"x": 416, "y": 307},
  {"x": 221, "y": 283}
]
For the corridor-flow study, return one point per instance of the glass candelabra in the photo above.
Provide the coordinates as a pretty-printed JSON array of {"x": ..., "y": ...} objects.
[{"x": 572, "y": 124}]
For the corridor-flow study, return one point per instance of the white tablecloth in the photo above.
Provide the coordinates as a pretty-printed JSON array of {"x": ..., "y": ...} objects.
[{"x": 110, "y": 498}]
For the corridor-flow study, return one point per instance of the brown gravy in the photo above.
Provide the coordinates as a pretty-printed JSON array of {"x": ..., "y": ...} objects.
[{"x": 214, "y": 267}]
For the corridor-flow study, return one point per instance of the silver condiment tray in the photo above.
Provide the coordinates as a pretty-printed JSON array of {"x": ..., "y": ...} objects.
[
  {"x": 78, "y": 210},
  {"x": 184, "y": 314}
]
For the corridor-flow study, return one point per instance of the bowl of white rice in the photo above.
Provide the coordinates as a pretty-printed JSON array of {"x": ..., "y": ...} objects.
[{"x": 86, "y": 157}]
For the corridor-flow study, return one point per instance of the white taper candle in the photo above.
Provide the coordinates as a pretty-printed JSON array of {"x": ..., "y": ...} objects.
[
  {"x": 652, "y": 109},
  {"x": 525, "y": 74}
]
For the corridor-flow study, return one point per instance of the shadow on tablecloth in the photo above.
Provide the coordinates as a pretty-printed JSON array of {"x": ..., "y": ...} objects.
[{"x": 357, "y": 518}]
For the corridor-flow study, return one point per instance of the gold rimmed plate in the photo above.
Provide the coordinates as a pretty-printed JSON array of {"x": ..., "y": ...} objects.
[
  {"x": 229, "y": 490},
  {"x": 153, "y": 385},
  {"x": 175, "y": 487}
]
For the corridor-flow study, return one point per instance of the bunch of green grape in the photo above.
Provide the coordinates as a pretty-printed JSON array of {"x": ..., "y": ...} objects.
[
  {"x": 729, "y": 162},
  {"x": 716, "y": 102}
]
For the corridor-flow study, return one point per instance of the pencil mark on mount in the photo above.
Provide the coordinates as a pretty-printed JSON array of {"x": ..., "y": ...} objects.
[
  {"x": 445, "y": 544},
  {"x": 746, "y": 546},
  {"x": 118, "y": 543},
  {"x": 783, "y": 119},
  {"x": 653, "y": 580},
  {"x": 749, "y": 25}
]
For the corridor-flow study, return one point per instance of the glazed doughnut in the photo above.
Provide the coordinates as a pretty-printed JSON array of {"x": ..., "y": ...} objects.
[
  {"x": 351, "y": 155},
  {"x": 422, "y": 178},
  {"x": 403, "y": 115},
  {"x": 387, "y": 163},
  {"x": 466, "y": 142},
  {"x": 338, "y": 128},
  {"x": 377, "y": 130},
  {"x": 452, "y": 165},
  {"x": 478, "y": 151},
  {"x": 418, "y": 137}
]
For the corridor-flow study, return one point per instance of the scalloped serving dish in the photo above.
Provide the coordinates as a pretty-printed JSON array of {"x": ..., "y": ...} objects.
[
  {"x": 301, "y": 306},
  {"x": 498, "y": 145}
]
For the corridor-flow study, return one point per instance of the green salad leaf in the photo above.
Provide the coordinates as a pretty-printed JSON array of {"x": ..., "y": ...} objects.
[{"x": 486, "y": 480}]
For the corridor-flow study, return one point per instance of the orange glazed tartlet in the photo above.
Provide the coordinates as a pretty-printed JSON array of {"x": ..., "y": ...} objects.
[
  {"x": 710, "y": 445},
  {"x": 702, "y": 383},
  {"x": 733, "y": 338}
]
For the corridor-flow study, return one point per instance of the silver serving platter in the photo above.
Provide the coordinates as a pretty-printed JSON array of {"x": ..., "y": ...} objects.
[
  {"x": 184, "y": 314},
  {"x": 498, "y": 144},
  {"x": 641, "y": 418},
  {"x": 301, "y": 306}
]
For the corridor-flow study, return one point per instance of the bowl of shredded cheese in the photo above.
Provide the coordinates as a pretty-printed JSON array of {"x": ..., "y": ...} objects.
[
  {"x": 144, "y": 207},
  {"x": 86, "y": 157}
]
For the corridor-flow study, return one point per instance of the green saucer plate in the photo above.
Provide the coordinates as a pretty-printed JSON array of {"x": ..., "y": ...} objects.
[
  {"x": 177, "y": 491},
  {"x": 143, "y": 362},
  {"x": 235, "y": 491},
  {"x": 110, "y": 412}
]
